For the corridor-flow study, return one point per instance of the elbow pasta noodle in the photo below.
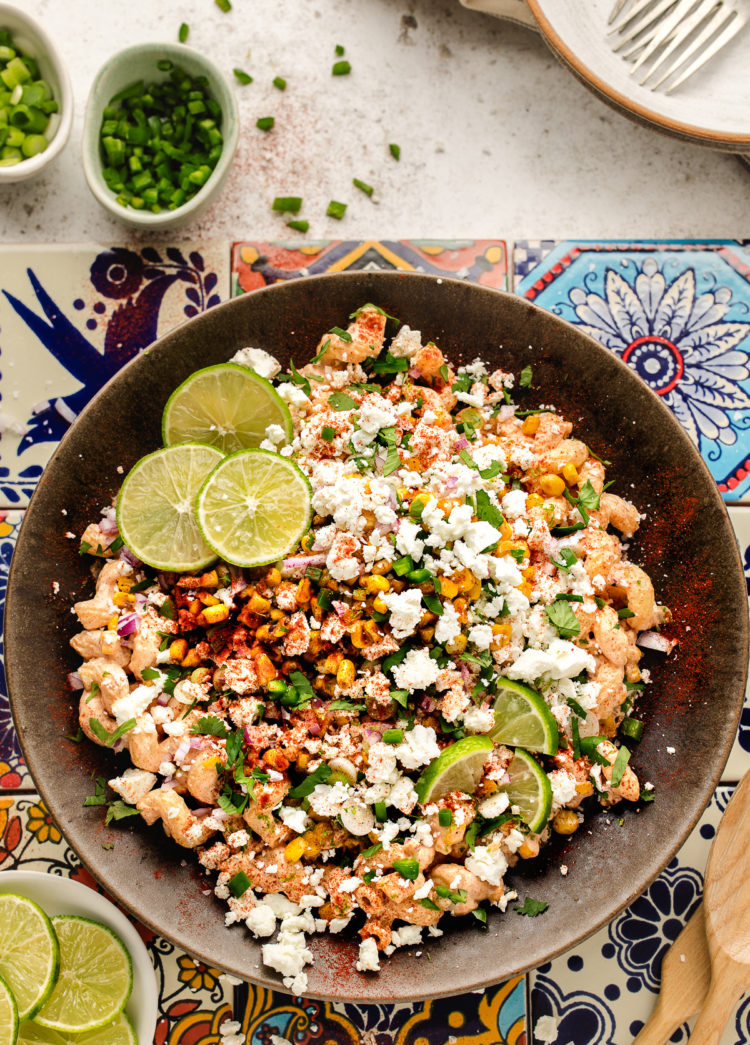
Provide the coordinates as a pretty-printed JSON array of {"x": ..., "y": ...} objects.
[{"x": 277, "y": 720}]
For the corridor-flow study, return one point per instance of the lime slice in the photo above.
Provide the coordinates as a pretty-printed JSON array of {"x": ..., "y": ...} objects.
[
  {"x": 8, "y": 1015},
  {"x": 254, "y": 507},
  {"x": 155, "y": 507},
  {"x": 529, "y": 789},
  {"x": 95, "y": 981},
  {"x": 458, "y": 767},
  {"x": 121, "y": 1032},
  {"x": 29, "y": 954},
  {"x": 227, "y": 406},
  {"x": 522, "y": 719}
]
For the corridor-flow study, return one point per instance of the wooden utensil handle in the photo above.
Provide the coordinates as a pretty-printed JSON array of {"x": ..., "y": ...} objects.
[
  {"x": 659, "y": 1027},
  {"x": 728, "y": 984}
]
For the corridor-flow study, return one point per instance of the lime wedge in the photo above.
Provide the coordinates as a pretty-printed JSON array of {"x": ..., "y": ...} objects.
[
  {"x": 29, "y": 953},
  {"x": 458, "y": 767},
  {"x": 95, "y": 981},
  {"x": 529, "y": 789},
  {"x": 522, "y": 719},
  {"x": 8, "y": 1015},
  {"x": 121, "y": 1032},
  {"x": 227, "y": 406},
  {"x": 155, "y": 507},
  {"x": 254, "y": 507}
]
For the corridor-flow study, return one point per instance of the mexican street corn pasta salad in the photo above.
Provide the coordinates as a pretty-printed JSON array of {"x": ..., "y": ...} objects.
[{"x": 433, "y": 673}]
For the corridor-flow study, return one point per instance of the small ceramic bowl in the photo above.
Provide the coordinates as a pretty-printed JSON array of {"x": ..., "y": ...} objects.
[
  {"x": 32, "y": 39},
  {"x": 140, "y": 63},
  {"x": 58, "y": 895}
]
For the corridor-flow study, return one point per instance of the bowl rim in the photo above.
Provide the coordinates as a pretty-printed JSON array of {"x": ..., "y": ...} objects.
[
  {"x": 89, "y": 147},
  {"x": 34, "y": 164},
  {"x": 654, "y": 866},
  {"x": 58, "y": 893}
]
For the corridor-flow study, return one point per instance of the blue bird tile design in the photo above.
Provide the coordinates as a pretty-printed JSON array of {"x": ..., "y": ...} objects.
[{"x": 678, "y": 314}]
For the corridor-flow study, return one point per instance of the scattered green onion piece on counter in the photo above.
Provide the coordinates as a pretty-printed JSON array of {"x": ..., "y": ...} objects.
[
  {"x": 242, "y": 77},
  {"x": 280, "y": 82},
  {"x": 393, "y": 736},
  {"x": 223, "y": 5},
  {"x": 183, "y": 32},
  {"x": 341, "y": 68},
  {"x": 631, "y": 727},
  {"x": 298, "y": 226},
  {"x": 395, "y": 151},
  {"x": 265, "y": 123},
  {"x": 287, "y": 204},
  {"x": 339, "y": 50},
  {"x": 363, "y": 186},
  {"x": 336, "y": 210}
]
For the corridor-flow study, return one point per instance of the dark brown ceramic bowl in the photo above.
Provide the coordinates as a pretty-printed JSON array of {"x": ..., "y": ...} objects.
[{"x": 686, "y": 544}]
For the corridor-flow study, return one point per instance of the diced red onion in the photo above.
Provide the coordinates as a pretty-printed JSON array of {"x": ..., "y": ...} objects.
[
  {"x": 461, "y": 444},
  {"x": 314, "y": 729},
  {"x": 316, "y": 702},
  {"x": 220, "y": 815},
  {"x": 118, "y": 746},
  {"x": 163, "y": 699},
  {"x": 140, "y": 599},
  {"x": 168, "y": 783},
  {"x": 246, "y": 734},
  {"x": 127, "y": 556},
  {"x": 653, "y": 640},
  {"x": 196, "y": 743},
  {"x": 182, "y": 750},
  {"x": 127, "y": 624},
  {"x": 427, "y": 703},
  {"x": 166, "y": 580},
  {"x": 202, "y": 811},
  {"x": 373, "y": 732},
  {"x": 75, "y": 681},
  {"x": 452, "y": 481},
  {"x": 465, "y": 673},
  {"x": 301, "y": 562},
  {"x": 339, "y": 607},
  {"x": 414, "y": 371}
]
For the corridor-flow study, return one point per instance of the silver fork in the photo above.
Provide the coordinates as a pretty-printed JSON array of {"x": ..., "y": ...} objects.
[{"x": 677, "y": 36}]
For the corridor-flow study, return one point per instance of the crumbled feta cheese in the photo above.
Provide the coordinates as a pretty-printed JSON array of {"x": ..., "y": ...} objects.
[
  {"x": 563, "y": 787},
  {"x": 514, "y": 504},
  {"x": 288, "y": 956},
  {"x": 406, "y": 610},
  {"x": 488, "y": 864},
  {"x": 416, "y": 671},
  {"x": 561, "y": 659},
  {"x": 481, "y": 636},
  {"x": 368, "y": 960},
  {"x": 263, "y": 363},
  {"x": 479, "y": 720},
  {"x": 261, "y": 921},
  {"x": 295, "y": 818},
  {"x": 418, "y": 748},
  {"x": 133, "y": 785}
]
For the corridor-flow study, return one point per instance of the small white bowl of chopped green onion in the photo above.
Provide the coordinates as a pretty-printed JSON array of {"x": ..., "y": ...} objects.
[
  {"x": 36, "y": 99},
  {"x": 159, "y": 135}
]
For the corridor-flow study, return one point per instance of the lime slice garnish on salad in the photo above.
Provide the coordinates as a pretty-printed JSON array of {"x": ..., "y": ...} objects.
[
  {"x": 458, "y": 767},
  {"x": 529, "y": 789},
  {"x": 95, "y": 981},
  {"x": 155, "y": 507},
  {"x": 8, "y": 1015},
  {"x": 254, "y": 507},
  {"x": 121, "y": 1032},
  {"x": 522, "y": 719},
  {"x": 29, "y": 952},
  {"x": 227, "y": 406}
]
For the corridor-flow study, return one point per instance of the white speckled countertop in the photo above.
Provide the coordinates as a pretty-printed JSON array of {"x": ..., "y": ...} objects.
[{"x": 497, "y": 138}]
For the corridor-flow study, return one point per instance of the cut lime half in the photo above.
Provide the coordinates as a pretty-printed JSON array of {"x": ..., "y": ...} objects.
[
  {"x": 529, "y": 789},
  {"x": 522, "y": 719},
  {"x": 227, "y": 406},
  {"x": 29, "y": 952},
  {"x": 121, "y": 1032},
  {"x": 8, "y": 1015},
  {"x": 155, "y": 507},
  {"x": 458, "y": 767},
  {"x": 95, "y": 981},
  {"x": 254, "y": 507}
]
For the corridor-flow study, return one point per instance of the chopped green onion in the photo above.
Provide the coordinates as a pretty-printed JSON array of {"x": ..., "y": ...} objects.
[
  {"x": 367, "y": 189},
  {"x": 395, "y": 151},
  {"x": 618, "y": 766},
  {"x": 393, "y": 736},
  {"x": 223, "y": 5},
  {"x": 408, "y": 869},
  {"x": 341, "y": 68},
  {"x": 445, "y": 817},
  {"x": 242, "y": 77},
  {"x": 632, "y": 727},
  {"x": 238, "y": 885},
  {"x": 433, "y": 604},
  {"x": 419, "y": 576},
  {"x": 265, "y": 123},
  {"x": 381, "y": 811},
  {"x": 336, "y": 210},
  {"x": 280, "y": 82},
  {"x": 625, "y": 613},
  {"x": 339, "y": 50},
  {"x": 287, "y": 204},
  {"x": 183, "y": 32},
  {"x": 298, "y": 226},
  {"x": 403, "y": 565}
]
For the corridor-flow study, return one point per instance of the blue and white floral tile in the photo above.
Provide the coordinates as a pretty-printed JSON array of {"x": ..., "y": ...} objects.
[
  {"x": 70, "y": 317},
  {"x": 678, "y": 313},
  {"x": 194, "y": 999},
  {"x": 603, "y": 991},
  {"x": 739, "y": 759},
  {"x": 14, "y": 774}
]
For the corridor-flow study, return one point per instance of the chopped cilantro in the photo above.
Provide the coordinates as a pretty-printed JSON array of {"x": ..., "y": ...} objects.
[
  {"x": 108, "y": 739},
  {"x": 433, "y": 604},
  {"x": 308, "y": 785},
  {"x": 392, "y": 461},
  {"x": 209, "y": 726},
  {"x": 119, "y": 810},
  {"x": 524, "y": 380},
  {"x": 531, "y": 908},
  {"x": 85, "y": 546},
  {"x": 429, "y": 904},
  {"x": 302, "y": 684},
  {"x": 327, "y": 434},
  {"x": 562, "y": 617},
  {"x": 390, "y": 364},
  {"x": 588, "y": 497},
  {"x": 99, "y": 798},
  {"x": 341, "y": 401},
  {"x": 618, "y": 766},
  {"x": 486, "y": 510},
  {"x": 458, "y": 896},
  {"x": 566, "y": 596},
  {"x": 167, "y": 609},
  {"x": 569, "y": 558}
]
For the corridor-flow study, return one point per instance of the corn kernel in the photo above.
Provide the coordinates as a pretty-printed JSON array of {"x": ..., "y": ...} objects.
[
  {"x": 331, "y": 664},
  {"x": 306, "y": 543},
  {"x": 210, "y": 579},
  {"x": 465, "y": 580},
  {"x": 551, "y": 484},
  {"x": 273, "y": 578},
  {"x": 376, "y": 583},
  {"x": 178, "y": 650},
  {"x": 112, "y": 623},
  {"x": 534, "y": 501},
  {"x": 372, "y": 631},
  {"x": 398, "y": 585},
  {"x": 276, "y": 759},
  {"x": 207, "y": 599},
  {"x": 295, "y": 850},
  {"x": 214, "y": 614},
  {"x": 570, "y": 473},
  {"x": 191, "y": 660},
  {"x": 257, "y": 604},
  {"x": 346, "y": 673},
  {"x": 359, "y": 595},
  {"x": 303, "y": 760},
  {"x": 585, "y": 788},
  {"x": 380, "y": 567},
  {"x": 125, "y": 583},
  {"x": 528, "y": 850},
  {"x": 304, "y": 591},
  {"x": 195, "y": 607},
  {"x": 456, "y": 645},
  {"x": 633, "y": 673},
  {"x": 357, "y": 635},
  {"x": 448, "y": 588},
  {"x": 528, "y": 574},
  {"x": 531, "y": 424},
  {"x": 565, "y": 822},
  {"x": 264, "y": 668},
  {"x": 263, "y": 634},
  {"x": 525, "y": 589},
  {"x": 123, "y": 599},
  {"x": 380, "y": 605},
  {"x": 475, "y": 591},
  {"x": 277, "y": 615},
  {"x": 427, "y": 634}
]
